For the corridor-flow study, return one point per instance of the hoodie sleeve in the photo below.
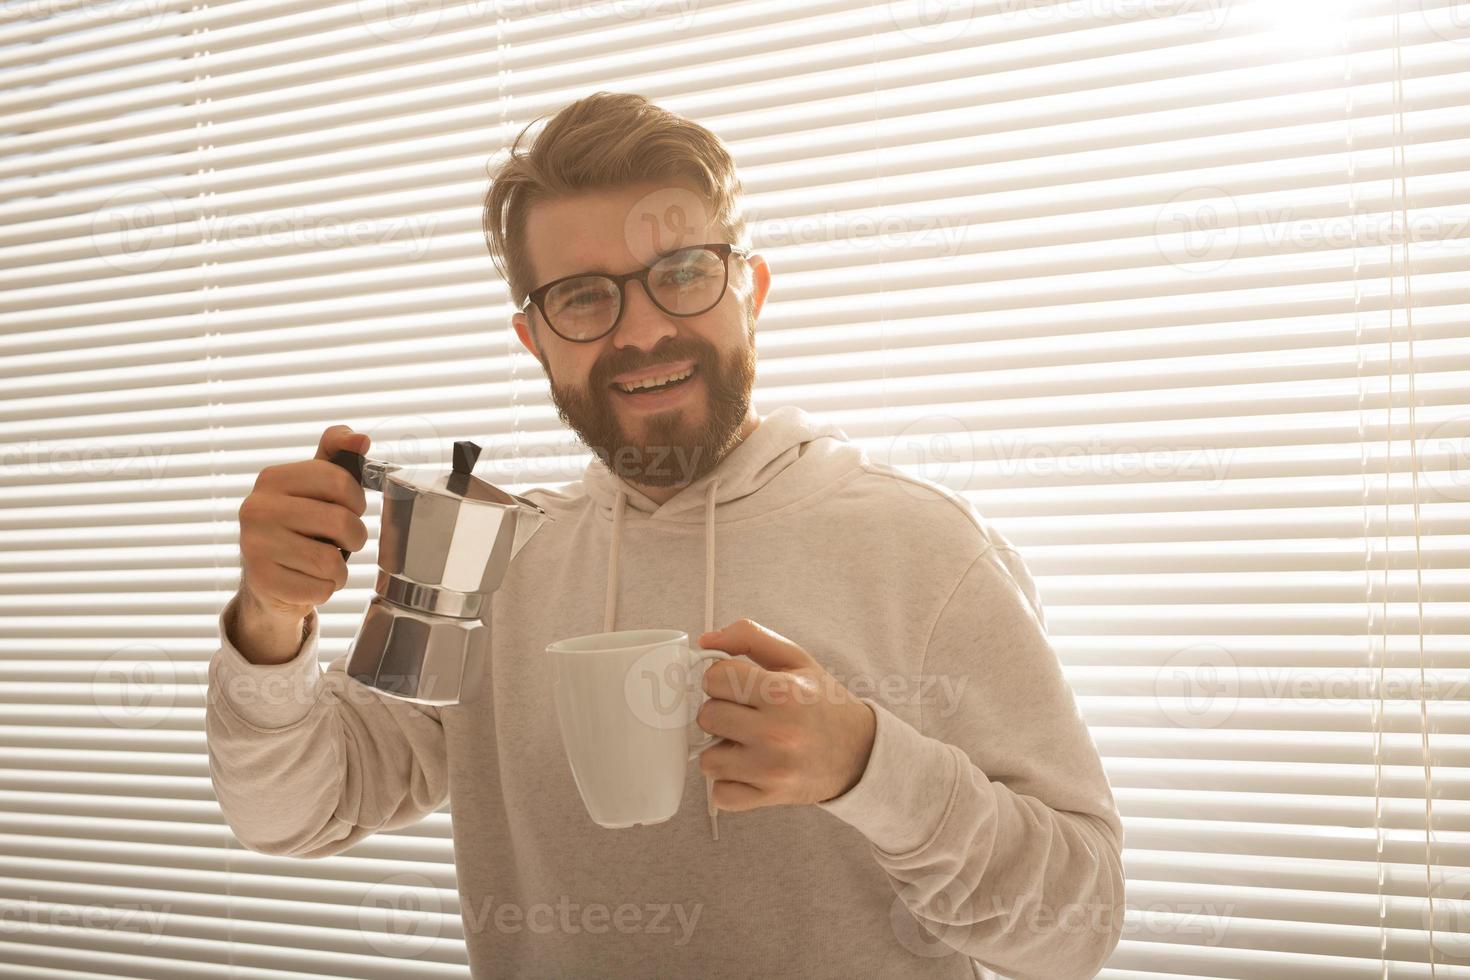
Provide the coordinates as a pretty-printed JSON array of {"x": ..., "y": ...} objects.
[
  {"x": 306, "y": 763},
  {"x": 994, "y": 819}
]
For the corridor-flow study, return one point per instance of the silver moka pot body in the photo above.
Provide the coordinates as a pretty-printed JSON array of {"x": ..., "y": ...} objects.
[{"x": 444, "y": 544}]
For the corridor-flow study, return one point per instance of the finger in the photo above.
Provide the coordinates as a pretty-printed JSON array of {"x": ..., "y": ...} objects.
[
  {"x": 735, "y": 796},
  {"x": 736, "y": 722},
  {"x": 726, "y": 760},
  {"x": 316, "y": 479},
  {"x": 318, "y": 519},
  {"x": 765, "y": 646},
  {"x": 293, "y": 587},
  {"x": 734, "y": 680},
  {"x": 302, "y": 553},
  {"x": 338, "y": 437}
]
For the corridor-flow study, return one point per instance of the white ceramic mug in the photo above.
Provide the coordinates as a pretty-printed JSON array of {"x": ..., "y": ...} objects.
[{"x": 626, "y": 703}]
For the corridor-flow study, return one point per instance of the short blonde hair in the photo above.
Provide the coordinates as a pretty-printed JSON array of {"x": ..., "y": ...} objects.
[{"x": 602, "y": 141}]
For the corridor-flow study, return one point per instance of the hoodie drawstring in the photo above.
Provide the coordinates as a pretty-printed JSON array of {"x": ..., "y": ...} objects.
[{"x": 610, "y": 605}]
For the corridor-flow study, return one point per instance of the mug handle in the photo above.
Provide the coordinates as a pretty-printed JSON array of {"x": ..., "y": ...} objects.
[{"x": 706, "y": 739}]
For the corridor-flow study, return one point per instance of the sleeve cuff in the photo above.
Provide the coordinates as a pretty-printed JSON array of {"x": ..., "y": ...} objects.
[
  {"x": 266, "y": 696},
  {"x": 904, "y": 793}
]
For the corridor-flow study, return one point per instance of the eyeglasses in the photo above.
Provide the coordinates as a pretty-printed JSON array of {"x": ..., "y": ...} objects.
[{"x": 687, "y": 282}]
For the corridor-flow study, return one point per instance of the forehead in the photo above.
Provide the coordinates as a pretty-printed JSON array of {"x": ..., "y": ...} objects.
[{"x": 617, "y": 229}]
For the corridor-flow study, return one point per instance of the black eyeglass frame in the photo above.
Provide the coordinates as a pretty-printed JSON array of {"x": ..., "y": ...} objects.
[{"x": 723, "y": 249}]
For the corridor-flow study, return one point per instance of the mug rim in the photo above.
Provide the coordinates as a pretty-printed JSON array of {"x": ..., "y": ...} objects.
[{"x": 594, "y": 642}]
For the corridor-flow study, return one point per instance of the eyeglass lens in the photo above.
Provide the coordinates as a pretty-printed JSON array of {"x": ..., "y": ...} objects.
[{"x": 684, "y": 283}]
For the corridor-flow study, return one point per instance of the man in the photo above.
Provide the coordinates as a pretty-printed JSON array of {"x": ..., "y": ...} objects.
[{"x": 907, "y": 785}]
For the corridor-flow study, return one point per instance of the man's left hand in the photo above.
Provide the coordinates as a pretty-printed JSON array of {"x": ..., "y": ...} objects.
[{"x": 795, "y": 735}]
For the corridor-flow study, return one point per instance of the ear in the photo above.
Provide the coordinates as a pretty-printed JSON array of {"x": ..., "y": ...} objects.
[
  {"x": 524, "y": 331},
  {"x": 760, "y": 282}
]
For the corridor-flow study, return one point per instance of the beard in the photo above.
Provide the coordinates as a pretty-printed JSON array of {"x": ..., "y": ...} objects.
[{"x": 673, "y": 447}]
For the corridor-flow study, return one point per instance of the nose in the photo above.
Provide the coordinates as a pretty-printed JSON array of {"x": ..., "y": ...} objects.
[{"x": 643, "y": 324}]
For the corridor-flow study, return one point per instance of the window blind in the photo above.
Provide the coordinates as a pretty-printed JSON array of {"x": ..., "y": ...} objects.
[{"x": 1174, "y": 291}]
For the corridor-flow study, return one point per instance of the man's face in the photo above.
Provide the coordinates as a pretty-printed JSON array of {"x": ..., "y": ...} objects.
[{"x": 684, "y": 435}]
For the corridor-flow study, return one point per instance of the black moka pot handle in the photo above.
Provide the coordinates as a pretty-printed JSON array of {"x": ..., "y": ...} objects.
[{"x": 352, "y": 463}]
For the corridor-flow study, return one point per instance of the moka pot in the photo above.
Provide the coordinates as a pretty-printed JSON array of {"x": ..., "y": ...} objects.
[{"x": 444, "y": 544}]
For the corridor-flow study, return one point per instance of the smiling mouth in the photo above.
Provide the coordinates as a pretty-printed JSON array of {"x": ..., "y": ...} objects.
[{"x": 693, "y": 373}]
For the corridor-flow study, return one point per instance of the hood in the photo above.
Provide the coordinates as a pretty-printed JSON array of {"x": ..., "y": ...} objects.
[{"x": 788, "y": 456}]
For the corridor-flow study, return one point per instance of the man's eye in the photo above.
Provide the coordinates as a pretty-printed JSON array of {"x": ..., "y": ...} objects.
[{"x": 684, "y": 276}]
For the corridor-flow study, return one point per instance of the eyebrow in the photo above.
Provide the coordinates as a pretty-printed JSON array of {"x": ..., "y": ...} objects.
[{"x": 603, "y": 271}]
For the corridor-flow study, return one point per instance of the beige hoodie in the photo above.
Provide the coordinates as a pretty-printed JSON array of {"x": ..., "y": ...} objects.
[{"x": 982, "y": 836}]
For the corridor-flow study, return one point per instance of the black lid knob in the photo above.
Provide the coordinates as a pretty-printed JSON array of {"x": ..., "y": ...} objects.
[{"x": 465, "y": 455}]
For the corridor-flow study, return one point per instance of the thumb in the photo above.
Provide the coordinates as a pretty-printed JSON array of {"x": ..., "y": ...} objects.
[
  {"x": 764, "y": 646},
  {"x": 338, "y": 437}
]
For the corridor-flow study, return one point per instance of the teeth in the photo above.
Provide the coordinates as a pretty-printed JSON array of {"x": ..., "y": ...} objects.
[{"x": 655, "y": 382}]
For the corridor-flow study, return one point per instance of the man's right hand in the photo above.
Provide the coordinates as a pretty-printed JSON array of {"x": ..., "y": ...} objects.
[{"x": 291, "y": 526}]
